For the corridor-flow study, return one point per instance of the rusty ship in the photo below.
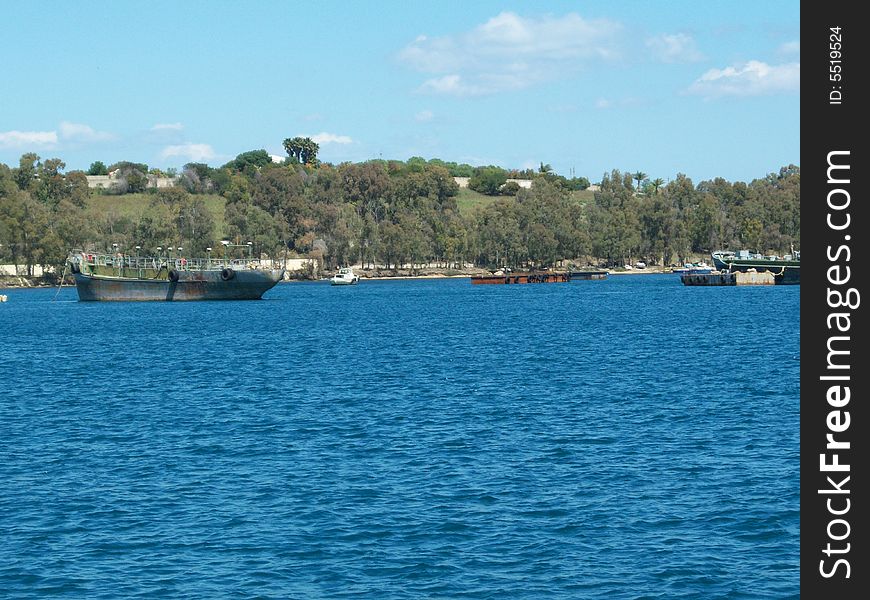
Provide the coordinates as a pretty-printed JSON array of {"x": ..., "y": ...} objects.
[
  {"x": 509, "y": 277},
  {"x": 120, "y": 277}
]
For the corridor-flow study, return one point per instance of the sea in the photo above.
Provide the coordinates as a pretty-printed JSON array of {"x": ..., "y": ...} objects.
[{"x": 623, "y": 438}]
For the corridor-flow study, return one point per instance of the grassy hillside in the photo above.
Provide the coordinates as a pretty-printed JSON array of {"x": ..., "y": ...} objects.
[
  {"x": 583, "y": 196},
  {"x": 468, "y": 200}
]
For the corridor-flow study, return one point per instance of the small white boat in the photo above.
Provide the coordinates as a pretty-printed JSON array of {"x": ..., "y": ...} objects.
[
  {"x": 345, "y": 276},
  {"x": 701, "y": 268}
]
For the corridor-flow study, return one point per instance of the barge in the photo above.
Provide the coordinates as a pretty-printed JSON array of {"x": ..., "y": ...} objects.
[
  {"x": 581, "y": 275},
  {"x": 717, "y": 278},
  {"x": 786, "y": 269},
  {"x": 523, "y": 277}
]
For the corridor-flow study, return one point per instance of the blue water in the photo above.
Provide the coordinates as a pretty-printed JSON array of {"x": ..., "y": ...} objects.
[{"x": 626, "y": 438}]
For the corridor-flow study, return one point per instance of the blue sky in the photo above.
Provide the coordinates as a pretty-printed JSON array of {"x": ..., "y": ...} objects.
[{"x": 702, "y": 88}]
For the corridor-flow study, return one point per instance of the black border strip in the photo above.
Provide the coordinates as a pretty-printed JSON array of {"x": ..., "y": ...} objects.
[{"x": 833, "y": 109}]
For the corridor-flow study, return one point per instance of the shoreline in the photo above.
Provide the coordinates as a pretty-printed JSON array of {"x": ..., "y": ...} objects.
[
  {"x": 657, "y": 271},
  {"x": 25, "y": 283}
]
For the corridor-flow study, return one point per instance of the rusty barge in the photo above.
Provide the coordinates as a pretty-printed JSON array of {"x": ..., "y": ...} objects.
[
  {"x": 118, "y": 277},
  {"x": 588, "y": 274},
  {"x": 523, "y": 277}
]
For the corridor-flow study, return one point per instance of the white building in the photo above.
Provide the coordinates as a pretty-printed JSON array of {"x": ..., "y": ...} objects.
[
  {"x": 111, "y": 180},
  {"x": 523, "y": 183}
]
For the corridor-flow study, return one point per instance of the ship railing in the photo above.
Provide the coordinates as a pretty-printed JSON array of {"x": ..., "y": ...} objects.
[
  {"x": 118, "y": 261},
  {"x": 214, "y": 264}
]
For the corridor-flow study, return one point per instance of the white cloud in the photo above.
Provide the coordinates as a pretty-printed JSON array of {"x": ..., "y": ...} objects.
[
  {"x": 165, "y": 134},
  {"x": 627, "y": 102},
  {"x": 167, "y": 127},
  {"x": 450, "y": 84},
  {"x": 753, "y": 78},
  {"x": 330, "y": 138},
  {"x": 193, "y": 152},
  {"x": 674, "y": 48},
  {"x": 66, "y": 132},
  {"x": 511, "y": 52},
  {"x": 790, "y": 48},
  {"x": 424, "y": 115},
  {"x": 28, "y": 139},
  {"x": 78, "y": 132}
]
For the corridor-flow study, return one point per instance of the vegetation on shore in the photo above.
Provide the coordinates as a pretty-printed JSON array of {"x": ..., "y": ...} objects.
[{"x": 391, "y": 213}]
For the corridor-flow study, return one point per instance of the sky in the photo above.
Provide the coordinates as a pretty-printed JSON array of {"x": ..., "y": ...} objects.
[{"x": 708, "y": 89}]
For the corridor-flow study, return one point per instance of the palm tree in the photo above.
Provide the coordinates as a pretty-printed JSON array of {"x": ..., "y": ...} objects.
[
  {"x": 545, "y": 168},
  {"x": 640, "y": 176},
  {"x": 657, "y": 183}
]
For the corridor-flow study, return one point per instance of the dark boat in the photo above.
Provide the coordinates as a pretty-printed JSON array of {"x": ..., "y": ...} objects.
[
  {"x": 508, "y": 277},
  {"x": 101, "y": 277},
  {"x": 786, "y": 269},
  {"x": 581, "y": 275}
]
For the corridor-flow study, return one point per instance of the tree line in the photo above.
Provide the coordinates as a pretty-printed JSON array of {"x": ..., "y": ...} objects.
[{"x": 393, "y": 213}]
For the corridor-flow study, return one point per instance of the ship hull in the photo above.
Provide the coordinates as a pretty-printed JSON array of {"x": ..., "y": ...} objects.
[
  {"x": 194, "y": 285},
  {"x": 583, "y": 275},
  {"x": 784, "y": 272},
  {"x": 522, "y": 278}
]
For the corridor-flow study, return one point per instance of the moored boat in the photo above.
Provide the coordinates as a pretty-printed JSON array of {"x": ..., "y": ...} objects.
[
  {"x": 508, "y": 277},
  {"x": 119, "y": 277},
  {"x": 583, "y": 275},
  {"x": 345, "y": 276},
  {"x": 786, "y": 269},
  {"x": 700, "y": 268}
]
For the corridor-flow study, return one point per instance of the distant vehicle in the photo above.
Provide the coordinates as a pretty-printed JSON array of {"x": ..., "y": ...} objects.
[
  {"x": 345, "y": 276},
  {"x": 640, "y": 265}
]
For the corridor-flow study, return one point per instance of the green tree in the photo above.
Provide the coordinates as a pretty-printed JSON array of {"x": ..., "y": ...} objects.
[
  {"x": 26, "y": 171},
  {"x": 281, "y": 192},
  {"x": 24, "y": 223},
  {"x": 488, "y": 180},
  {"x": 130, "y": 177},
  {"x": 639, "y": 176},
  {"x": 156, "y": 227},
  {"x": 366, "y": 186},
  {"x": 98, "y": 168},
  {"x": 195, "y": 224},
  {"x": 302, "y": 149},
  {"x": 51, "y": 186},
  {"x": 196, "y": 178},
  {"x": 705, "y": 224},
  {"x": 752, "y": 233},
  {"x": 77, "y": 188},
  {"x": 578, "y": 183},
  {"x": 249, "y": 162}
]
